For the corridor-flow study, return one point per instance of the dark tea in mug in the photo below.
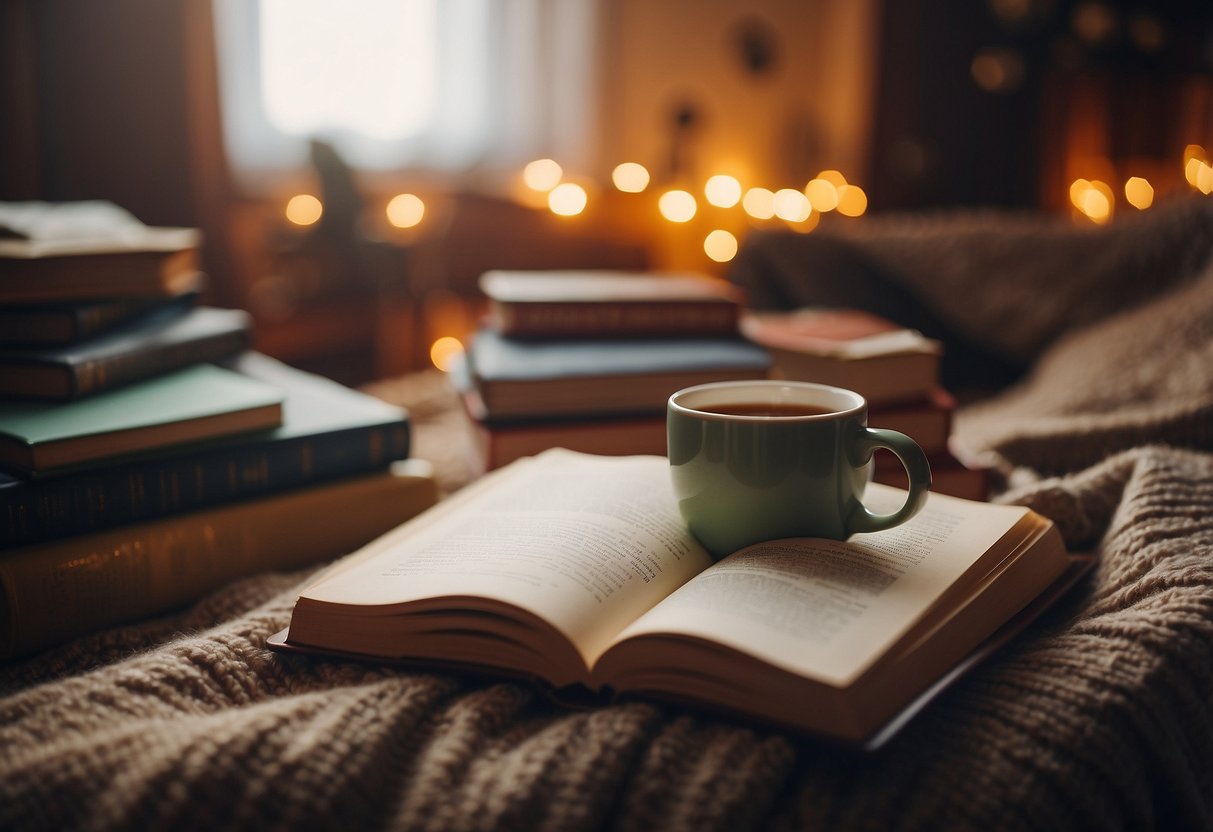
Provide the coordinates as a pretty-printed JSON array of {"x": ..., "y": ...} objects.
[{"x": 784, "y": 409}]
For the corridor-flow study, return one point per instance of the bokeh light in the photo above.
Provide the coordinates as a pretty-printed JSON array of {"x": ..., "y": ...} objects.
[
  {"x": 720, "y": 245},
  {"x": 567, "y": 199},
  {"x": 405, "y": 210},
  {"x": 759, "y": 203},
  {"x": 677, "y": 206},
  {"x": 852, "y": 201},
  {"x": 1139, "y": 192},
  {"x": 791, "y": 205},
  {"x": 444, "y": 351},
  {"x": 304, "y": 209},
  {"x": 822, "y": 194},
  {"x": 630, "y": 177},
  {"x": 542, "y": 174},
  {"x": 722, "y": 190}
]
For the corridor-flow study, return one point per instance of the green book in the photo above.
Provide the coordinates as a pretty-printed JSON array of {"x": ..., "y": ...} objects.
[{"x": 196, "y": 403}]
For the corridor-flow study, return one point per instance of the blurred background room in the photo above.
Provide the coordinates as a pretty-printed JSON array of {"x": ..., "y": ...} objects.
[{"x": 355, "y": 167}]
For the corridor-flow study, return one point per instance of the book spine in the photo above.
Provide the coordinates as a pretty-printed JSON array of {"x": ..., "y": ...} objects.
[
  {"x": 93, "y": 376},
  {"x": 547, "y": 320},
  {"x": 39, "y": 510},
  {"x": 54, "y": 592}
]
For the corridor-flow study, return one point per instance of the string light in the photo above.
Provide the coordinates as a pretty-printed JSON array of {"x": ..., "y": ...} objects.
[
  {"x": 1139, "y": 192},
  {"x": 822, "y": 194},
  {"x": 677, "y": 206},
  {"x": 852, "y": 201},
  {"x": 542, "y": 174},
  {"x": 567, "y": 199},
  {"x": 722, "y": 190},
  {"x": 630, "y": 177},
  {"x": 759, "y": 203},
  {"x": 405, "y": 210},
  {"x": 304, "y": 209},
  {"x": 720, "y": 246}
]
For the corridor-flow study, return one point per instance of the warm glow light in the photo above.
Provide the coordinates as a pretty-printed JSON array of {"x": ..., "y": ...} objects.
[
  {"x": 1204, "y": 178},
  {"x": 833, "y": 177},
  {"x": 567, "y": 199},
  {"x": 1139, "y": 193},
  {"x": 677, "y": 206},
  {"x": 304, "y": 209},
  {"x": 759, "y": 203},
  {"x": 542, "y": 174},
  {"x": 1194, "y": 151},
  {"x": 444, "y": 351},
  {"x": 630, "y": 177},
  {"x": 405, "y": 210},
  {"x": 720, "y": 245},
  {"x": 1096, "y": 202},
  {"x": 1077, "y": 188},
  {"x": 791, "y": 205},
  {"x": 852, "y": 201},
  {"x": 722, "y": 190},
  {"x": 1192, "y": 169},
  {"x": 822, "y": 194}
]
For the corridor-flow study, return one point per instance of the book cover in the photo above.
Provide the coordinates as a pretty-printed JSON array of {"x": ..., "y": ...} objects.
[
  {"x": 847, "y": 348},
  {"x": 492, "y": 443},
  {"x": 327, "y": 431},
  {"x": 559, "y": 304},
  {"x": 593, "y": 375},
  {"x": 578, "y": 571},
  {"x": 188, "y": 405},
  {"x": 68, "y": 322},
  {"x": 167, "y": 339},
  {"x": 928, "y": 420},
  {"x": 86, "y": 249},
  {"x": 55, "y": 591}
]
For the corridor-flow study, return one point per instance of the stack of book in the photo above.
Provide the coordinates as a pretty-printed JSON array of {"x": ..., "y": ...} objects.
[
  {"x": 148, "y": 456},
  {"x": 894, "y": 368},
  {"x": 586, "y": 360}
]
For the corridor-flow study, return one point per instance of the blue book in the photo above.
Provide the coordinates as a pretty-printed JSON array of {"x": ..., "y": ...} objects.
[
  {"x": 516, "y": 378},
  {"x": 168, "y": 339},
  {"x": 327, "y": 431}
]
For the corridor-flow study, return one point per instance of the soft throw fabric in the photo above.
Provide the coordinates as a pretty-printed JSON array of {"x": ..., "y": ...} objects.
[{"x": 1100, "y": 717}]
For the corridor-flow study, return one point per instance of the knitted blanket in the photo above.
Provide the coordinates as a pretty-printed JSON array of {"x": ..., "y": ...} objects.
[{"x": 1099, "y": 717}]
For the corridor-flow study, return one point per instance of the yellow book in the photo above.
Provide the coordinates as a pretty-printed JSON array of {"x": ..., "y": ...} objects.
[{"x": 56, "y": 591}]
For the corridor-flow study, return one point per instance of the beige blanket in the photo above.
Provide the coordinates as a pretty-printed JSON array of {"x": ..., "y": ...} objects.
[{"x": 1100, "y": 717}]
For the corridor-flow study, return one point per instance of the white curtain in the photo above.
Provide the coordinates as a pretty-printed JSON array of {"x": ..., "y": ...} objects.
[{"x": 447, "y": 87}]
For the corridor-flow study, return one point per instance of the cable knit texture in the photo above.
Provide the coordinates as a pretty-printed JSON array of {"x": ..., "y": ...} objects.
[{"x": 1099, "y": 717}]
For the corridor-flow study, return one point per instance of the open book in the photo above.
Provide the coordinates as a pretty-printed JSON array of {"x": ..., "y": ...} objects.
[{"x": 578, "y": 570}]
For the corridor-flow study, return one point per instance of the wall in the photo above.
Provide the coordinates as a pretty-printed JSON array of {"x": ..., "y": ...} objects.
[{"x": 772, "y": 117}]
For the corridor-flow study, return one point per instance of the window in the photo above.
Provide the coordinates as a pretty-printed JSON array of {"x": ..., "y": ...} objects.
[{"x": 448, "y": 86}]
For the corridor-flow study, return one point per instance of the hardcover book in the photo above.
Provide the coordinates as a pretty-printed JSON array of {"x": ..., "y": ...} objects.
[
  {"x": 578, "y": 571},
  {"x": 618, "y": 376},
  {"x": 69, "y": 322},
  {"x": 563, "y": 304},
  {"x": 493, "y": 443},
  {"x": 327, "y": 431},
  {"x": 188, "y": 405},
  {"x": 847, "y": 348},
  {"x": 165, "y": 340},
  {"x": 55, "y": 591},
  {"x": 928, "y": 420},
  {"x": 157, "y": 262}
]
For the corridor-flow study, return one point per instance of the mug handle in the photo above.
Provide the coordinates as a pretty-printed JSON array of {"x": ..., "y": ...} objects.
[{"x": 918, "y": 472}]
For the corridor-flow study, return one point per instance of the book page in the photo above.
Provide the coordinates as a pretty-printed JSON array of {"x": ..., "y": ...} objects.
[
  {"x": 586, "y": 543},
  {"x": 827, "y": 609}
]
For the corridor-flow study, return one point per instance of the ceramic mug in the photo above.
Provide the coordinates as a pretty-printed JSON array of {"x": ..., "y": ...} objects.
[{"x": 762, "y": 460}]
